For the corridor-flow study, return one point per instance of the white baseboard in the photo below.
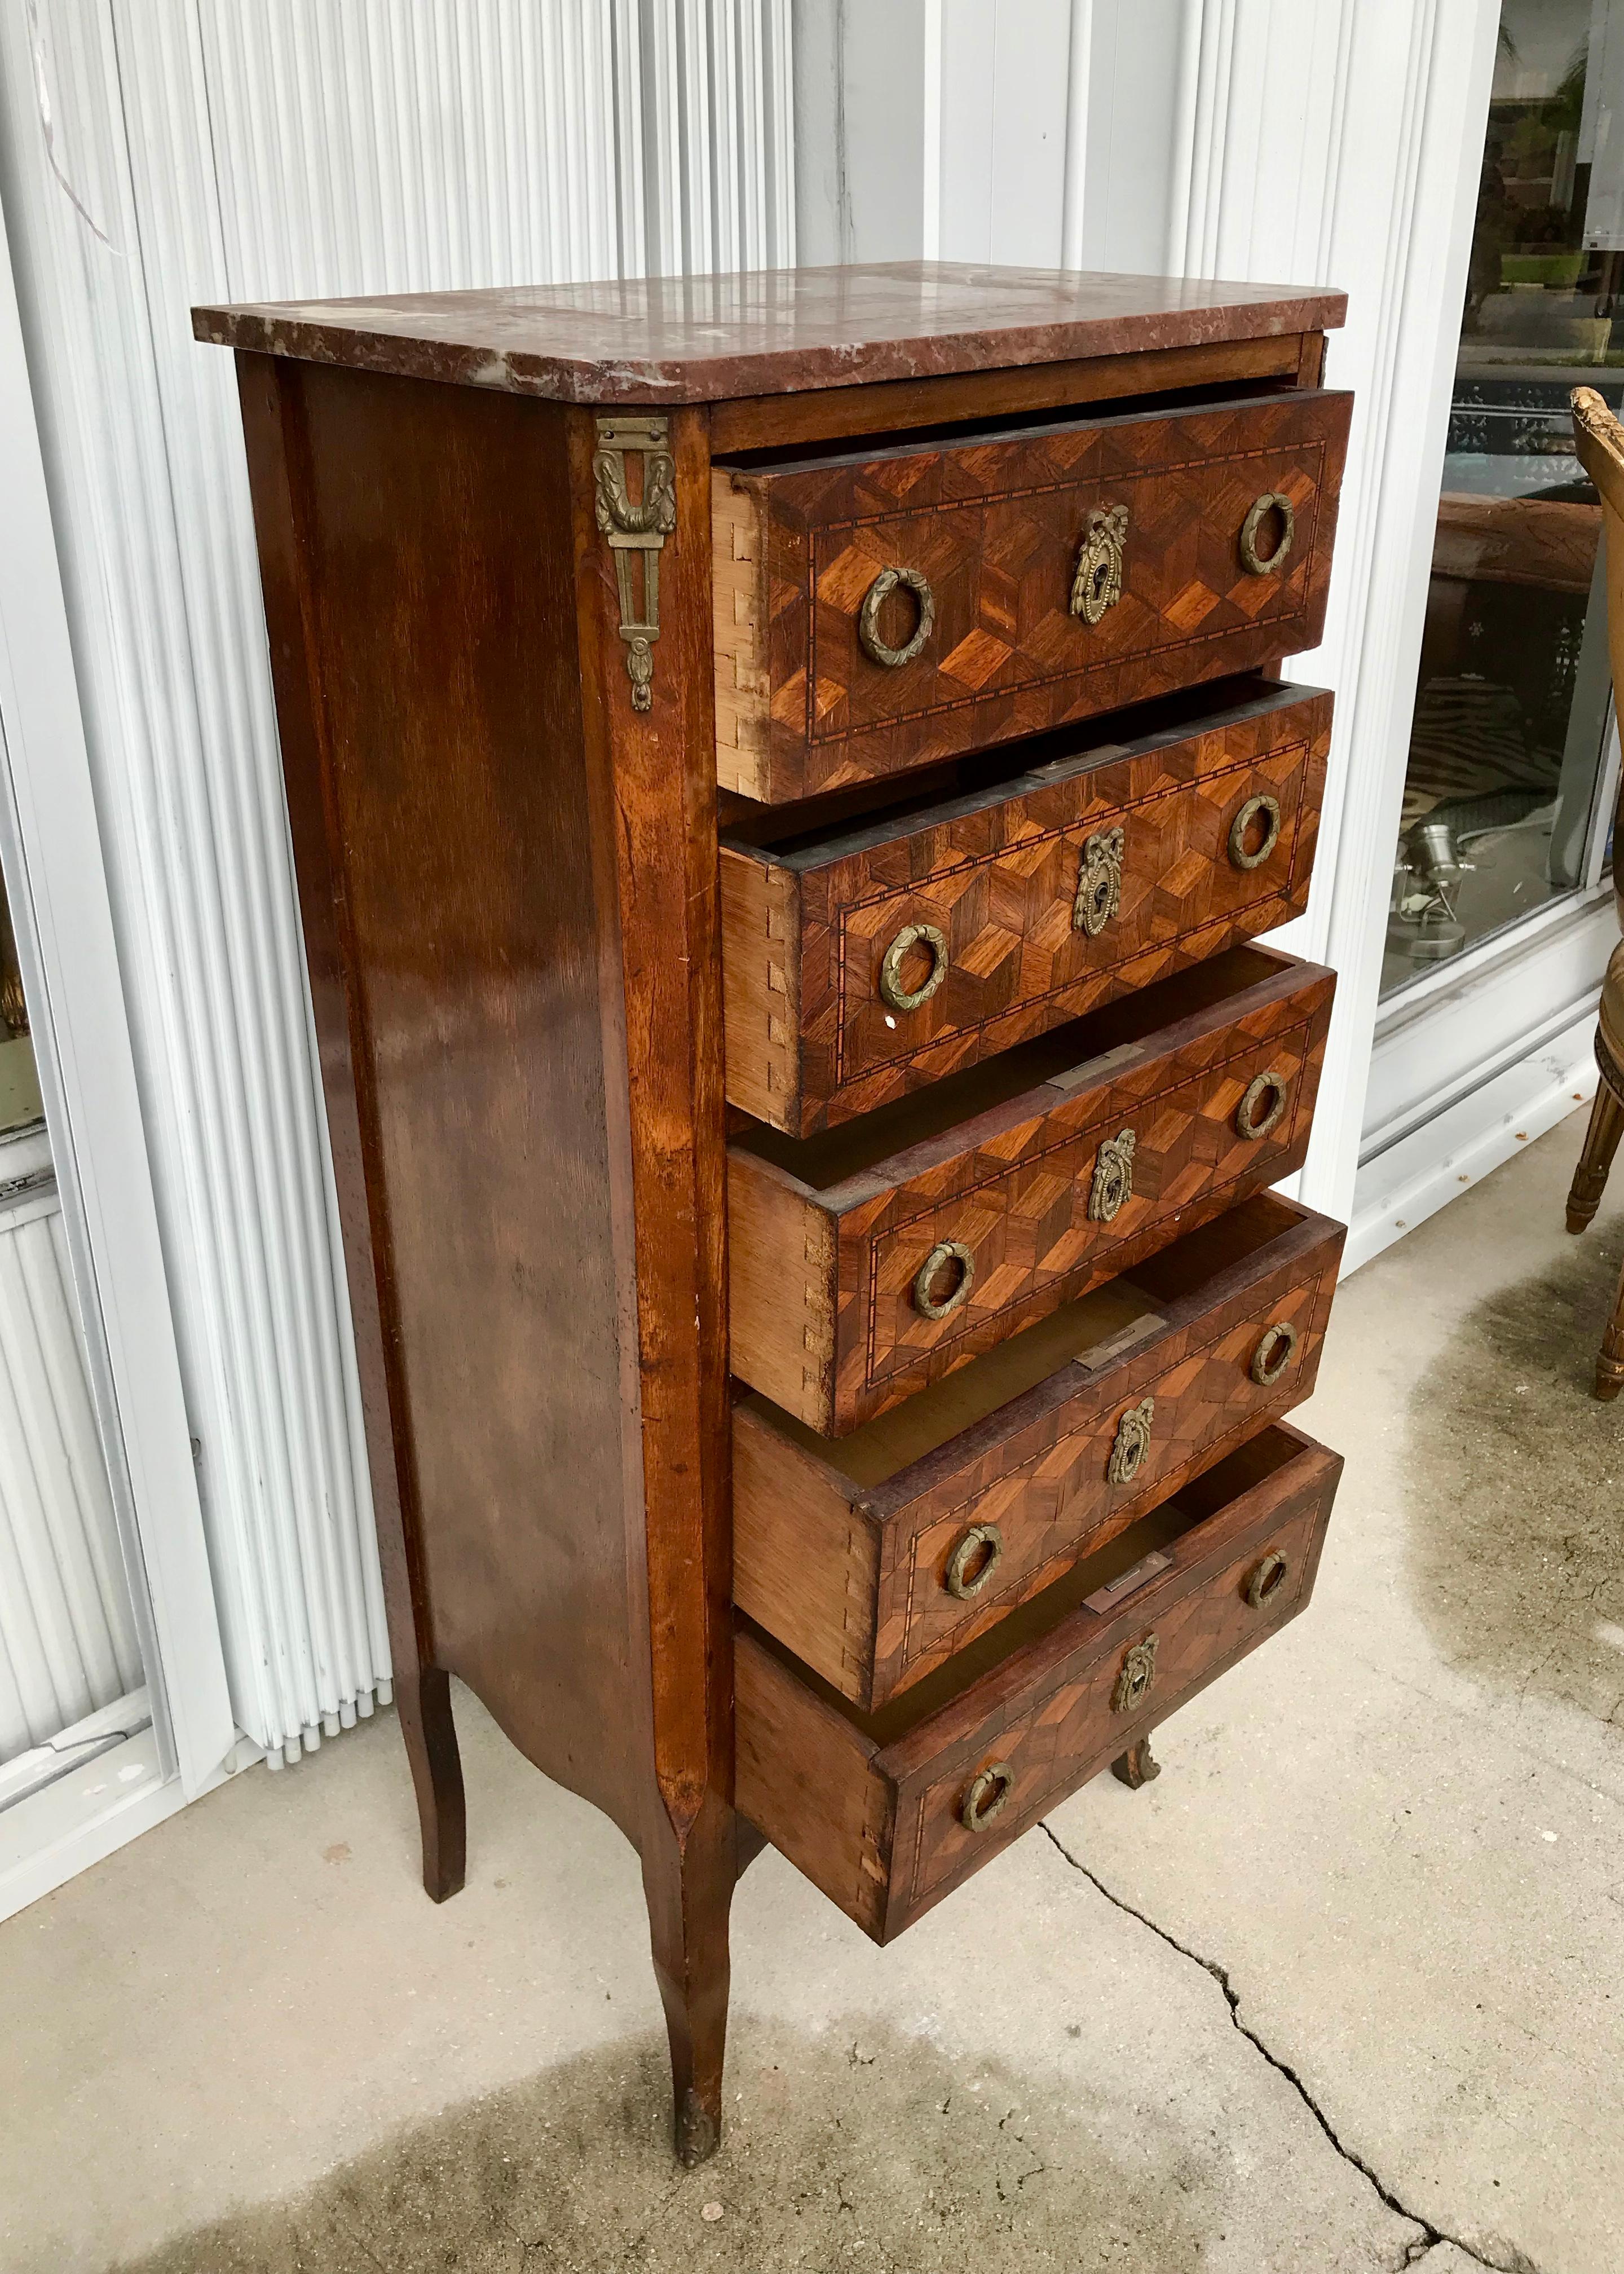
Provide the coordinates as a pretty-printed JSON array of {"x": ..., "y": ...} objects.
[
  {"x": 82, "y": 1817},
  {"x": 75, "y": 1822},
  {"x": 1413, "y": 1179}
]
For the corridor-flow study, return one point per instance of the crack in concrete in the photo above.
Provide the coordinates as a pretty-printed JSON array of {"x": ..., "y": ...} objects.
[{"x": 1431, "y": 2237}]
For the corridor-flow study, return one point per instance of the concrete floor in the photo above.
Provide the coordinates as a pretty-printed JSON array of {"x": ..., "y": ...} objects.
[{"x": 1342, "y": 1991}]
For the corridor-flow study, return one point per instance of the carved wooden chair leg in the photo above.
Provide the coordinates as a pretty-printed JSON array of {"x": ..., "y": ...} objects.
[
  {"x": 1601, "y": 1143},
  {"x": 423, "y": 1699},
  {"x": 689, "y": 1892},
  {"x": 1136, "y": 1766}
]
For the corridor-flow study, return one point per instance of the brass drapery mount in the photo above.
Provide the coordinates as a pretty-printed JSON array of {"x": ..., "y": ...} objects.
[{"x": 632, "y": 528}]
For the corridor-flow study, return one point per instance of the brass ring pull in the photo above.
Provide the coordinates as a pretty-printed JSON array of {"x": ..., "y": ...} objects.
[
  {"x": 1274, "y": 1354},
  {"x": 1265, "y": 1580},
  {"x": 965, "y": 1575},
  {"x": 1271, "y": 501},
  {"x": 892, "y": 989},
  {"x": 986, "y": 1795},
  {"x": 1099, "y": 882},
  {"x": 1249, "y": 1122},
  {"x": 869, "y": 618},
  {"x": 945, "y": 1251},
  {"x": 1135, "y": 1677},
  {"x": 1263, "y": 809}
]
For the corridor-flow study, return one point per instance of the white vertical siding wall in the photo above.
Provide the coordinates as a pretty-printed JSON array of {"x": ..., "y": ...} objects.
[
  {"x": 67, "y": 1634},
  {"x": 161, "y": 152}
]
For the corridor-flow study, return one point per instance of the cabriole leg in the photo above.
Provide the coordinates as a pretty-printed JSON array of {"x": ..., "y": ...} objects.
[
  {"x": 689, "y": 1890},
  {"x": 1601, "y": 1143},
  {"x": 424, "y": 1701},
  {"x": 1136, "y": 1766}
]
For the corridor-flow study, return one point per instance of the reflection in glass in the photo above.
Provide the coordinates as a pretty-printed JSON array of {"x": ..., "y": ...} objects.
[
  {"x": 1507, "y": 738},
  {"x": 19, "y": 1084}
]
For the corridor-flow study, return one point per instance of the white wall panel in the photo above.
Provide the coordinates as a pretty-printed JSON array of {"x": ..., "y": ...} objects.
[
  {"x": 67, "y": 1633},
  {"x": 206, "y": 150}
]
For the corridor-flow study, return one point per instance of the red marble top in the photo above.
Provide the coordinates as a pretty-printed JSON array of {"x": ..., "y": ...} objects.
[{"x": 775, "y": 331}]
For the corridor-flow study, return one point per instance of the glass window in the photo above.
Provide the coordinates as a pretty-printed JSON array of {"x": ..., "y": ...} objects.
[
  {"x": 19, "y": 1083},
  {"x": 1508, "y": 743}
]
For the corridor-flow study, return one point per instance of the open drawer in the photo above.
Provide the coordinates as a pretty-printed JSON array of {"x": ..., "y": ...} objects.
[
  {"x": 865, "y": 955},
  {"x": 887, "y": 1812},
  {"x": 876, "y": 1555},
  {"x": 881, "y": 1255},
  {"x": 879, "y": 608}
]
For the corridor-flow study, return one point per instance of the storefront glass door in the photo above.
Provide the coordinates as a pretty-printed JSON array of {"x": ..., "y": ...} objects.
[{"x": 1507, "y": 795}]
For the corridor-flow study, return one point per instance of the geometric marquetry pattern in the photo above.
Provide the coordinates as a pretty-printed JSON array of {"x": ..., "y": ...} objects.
[
  {"x": 1016, "y": 1196},
  {"x": 1053, "y": 1743},
  {"x": 1053, "y": 1501},
  {"x": 995, "y": 525},
  {"x": 1000, "y": 884}
]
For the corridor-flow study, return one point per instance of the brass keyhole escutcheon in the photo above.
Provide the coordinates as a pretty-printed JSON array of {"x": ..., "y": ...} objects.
[
  {"x": 1135, "y": 1677},
  {"x": 1267, "y": 564},
  {"x": 1130, "y": 1443},
  {"x": 1251, "y": 845},
  {"x": 1096, "y": 584},
  {"x": 1262, "y": 1106},
  {"x": 986, "y": 1795},
  {"x": 1099, "y": 882},
  {"x": 1112, "y": 1182},
  {"x": 889, "y": 581},
  {"x": 945, "y": 1255},
  {"x": 911, "y": 936},
  {"x": 1274, "y": 1354},
  {"x": 1265, "y": 1580},
  {"x": 974, "y": 1560}
]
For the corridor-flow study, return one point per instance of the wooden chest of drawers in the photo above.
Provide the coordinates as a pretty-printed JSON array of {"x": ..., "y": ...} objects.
[{"x": 786, "y": 776}]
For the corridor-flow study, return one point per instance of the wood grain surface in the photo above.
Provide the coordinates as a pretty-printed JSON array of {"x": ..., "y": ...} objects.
[
  {"x": 995, "y": 523},
  {"x": 828, "y": 1234},
  {"x": 509, "y": 884},
  {"x": 842, "y": 1546},
  {"x": 869, "y": 1806},
  {"x": 810, "y": 1038}
]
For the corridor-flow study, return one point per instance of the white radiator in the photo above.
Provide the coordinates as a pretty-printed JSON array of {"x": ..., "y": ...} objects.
[
  {"x": 67, "y": 1638},
  {"x": 161, "y": 152}
]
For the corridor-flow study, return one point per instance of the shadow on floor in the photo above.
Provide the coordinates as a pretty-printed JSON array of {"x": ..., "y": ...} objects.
[
  {"x": 878, "y": 2150},
  {"x": 1518, "y": 1485}
]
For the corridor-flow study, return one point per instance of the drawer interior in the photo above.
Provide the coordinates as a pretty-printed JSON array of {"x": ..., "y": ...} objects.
[
  {"x": 1077, "y": 1051},
  {"x": 1110, "y": 410},
  {"x": 1166, "y": 1530},
  {"x": 818, "y": 830},
  {"x": 1095, "y": 1330}
]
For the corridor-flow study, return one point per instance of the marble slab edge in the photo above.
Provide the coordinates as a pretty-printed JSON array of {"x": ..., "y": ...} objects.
[{"x": 307, "y": 335}]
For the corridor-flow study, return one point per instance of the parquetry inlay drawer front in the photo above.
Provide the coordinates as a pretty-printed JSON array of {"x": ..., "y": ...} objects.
[
  {"x": 874, "y": 1259},
  {"x": 873, "y": 1556},
  {"x": 876, "y": 610},
  {"x": 886, "y": 1811},
  {"x": 875, "y": 958}
]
